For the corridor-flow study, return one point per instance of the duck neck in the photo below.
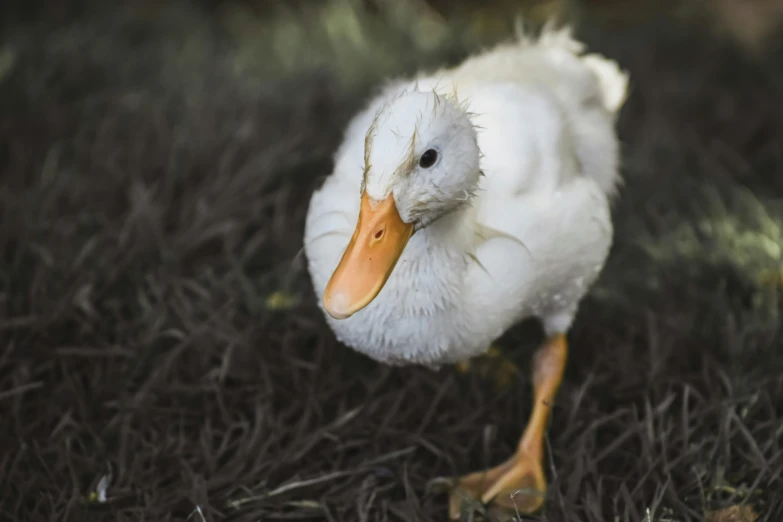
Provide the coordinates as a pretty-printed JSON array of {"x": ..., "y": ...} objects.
[
  {"x": 432, "y": 271},
  {"x": 452, "y": 234}
]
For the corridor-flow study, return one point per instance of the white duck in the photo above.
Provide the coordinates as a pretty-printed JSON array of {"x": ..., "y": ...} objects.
[{"x": 464, "y": 201}]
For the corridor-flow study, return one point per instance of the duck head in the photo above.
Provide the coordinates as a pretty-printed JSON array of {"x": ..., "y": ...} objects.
[{"x": 421, "y": 162}]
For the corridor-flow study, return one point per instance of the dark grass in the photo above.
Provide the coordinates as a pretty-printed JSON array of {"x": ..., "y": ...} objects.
[{"x": 156, "y": 166}]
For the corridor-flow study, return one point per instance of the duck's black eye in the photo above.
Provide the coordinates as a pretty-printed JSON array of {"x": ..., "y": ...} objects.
[{"x": 428, "y": 159}]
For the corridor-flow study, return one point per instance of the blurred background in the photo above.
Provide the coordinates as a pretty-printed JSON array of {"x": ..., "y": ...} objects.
[{"x": 161, "y": 354}]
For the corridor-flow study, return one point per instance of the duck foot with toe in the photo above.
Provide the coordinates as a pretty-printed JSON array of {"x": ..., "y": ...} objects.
[
  {"x": 516, "y": 486},
  {"x": 519, "y": 484}
]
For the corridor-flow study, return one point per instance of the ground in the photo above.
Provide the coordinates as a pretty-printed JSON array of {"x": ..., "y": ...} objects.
[{"x": 160, "y": 343}]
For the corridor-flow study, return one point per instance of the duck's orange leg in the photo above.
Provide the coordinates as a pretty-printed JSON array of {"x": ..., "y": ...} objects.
[
  {"x": 519, "y": 483},
  {"x": 493, "y": 365}
]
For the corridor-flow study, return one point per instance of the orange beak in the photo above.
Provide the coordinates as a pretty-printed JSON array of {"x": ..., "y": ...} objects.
[{"x": 368, "y": 261}]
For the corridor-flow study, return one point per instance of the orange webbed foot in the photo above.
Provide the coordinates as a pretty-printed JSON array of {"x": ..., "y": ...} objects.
[{"x": 516, "y": 486}]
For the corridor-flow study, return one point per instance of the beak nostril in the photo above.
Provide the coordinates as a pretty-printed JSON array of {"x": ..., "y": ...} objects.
[{"x": 379, "y": 234}]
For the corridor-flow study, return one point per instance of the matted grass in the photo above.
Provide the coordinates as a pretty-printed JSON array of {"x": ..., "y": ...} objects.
[{"x": 157, "y": 325}]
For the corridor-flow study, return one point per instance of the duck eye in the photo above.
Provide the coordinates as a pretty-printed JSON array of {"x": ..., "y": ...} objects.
[{"x": 428, "y": 159}]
